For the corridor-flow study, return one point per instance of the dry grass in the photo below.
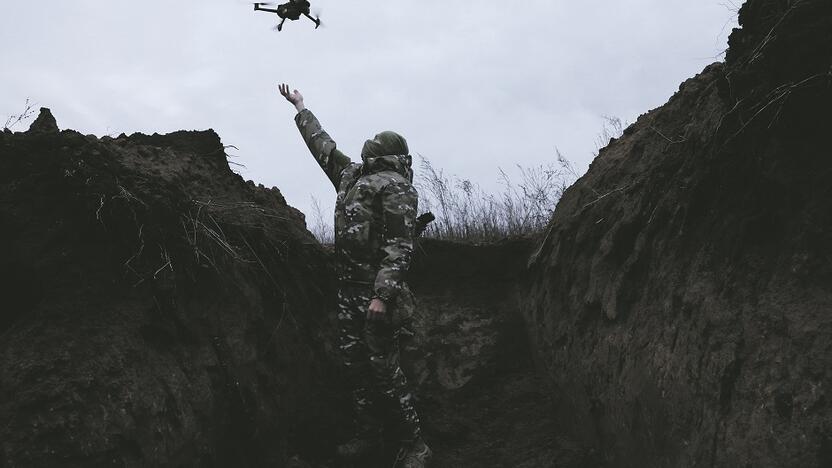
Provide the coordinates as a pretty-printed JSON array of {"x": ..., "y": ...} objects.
[
  {"x": 320, "y": 227},
  {"x": 27, "y": 113},
  {"x": 464, "y": 211}
]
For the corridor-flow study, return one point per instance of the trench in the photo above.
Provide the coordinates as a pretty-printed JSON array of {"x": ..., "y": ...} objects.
[{"x": 483, "y": 402}]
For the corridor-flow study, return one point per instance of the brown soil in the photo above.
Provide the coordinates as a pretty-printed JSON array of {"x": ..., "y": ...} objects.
[
  {"x": 481, "y": 400},
  {"x": 161, "y": 311},
  {"x": 157, "y": 309},
  {"x": 680, "y": 300}
]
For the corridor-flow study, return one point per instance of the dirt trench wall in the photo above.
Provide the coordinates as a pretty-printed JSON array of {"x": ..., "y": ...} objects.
[
  {"x": 680, "y": 302},
  {"x": 480, "y": 398},
  {"x": 467, "y": 323},
  {"x": 155, "y": 309}
]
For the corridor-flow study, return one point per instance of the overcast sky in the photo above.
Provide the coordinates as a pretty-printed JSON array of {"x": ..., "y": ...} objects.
[{"x": 472, "y": 85}]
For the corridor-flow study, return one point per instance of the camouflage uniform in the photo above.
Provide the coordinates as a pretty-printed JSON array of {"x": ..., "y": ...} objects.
[{"x": 374, "y": 219}]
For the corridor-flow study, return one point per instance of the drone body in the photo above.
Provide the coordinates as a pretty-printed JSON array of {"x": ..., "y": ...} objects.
[{"x": 290, "y": 10}]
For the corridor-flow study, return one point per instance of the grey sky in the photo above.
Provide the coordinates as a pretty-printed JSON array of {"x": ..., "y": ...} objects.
[{"x": 471, "y": 85}]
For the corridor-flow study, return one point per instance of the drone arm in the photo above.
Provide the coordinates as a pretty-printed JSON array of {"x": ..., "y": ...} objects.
[
  {"x": 317, "y": 21},
  {"x": 257, "y": 7}
]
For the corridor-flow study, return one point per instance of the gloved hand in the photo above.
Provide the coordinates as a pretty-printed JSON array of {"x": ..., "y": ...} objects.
[
  {"x": 422, "y": 223},
  {"x": 377, "y": 309}
]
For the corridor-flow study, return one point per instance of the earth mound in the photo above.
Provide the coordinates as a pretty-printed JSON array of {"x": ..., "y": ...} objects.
[
  {"x": 156, "y": 310},
  {"x": 160, "y": 311},
  {"x": 680, "y": 302}
]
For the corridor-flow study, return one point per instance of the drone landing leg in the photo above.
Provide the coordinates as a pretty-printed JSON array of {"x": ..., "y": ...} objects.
[{"x": 317, "y": 21}]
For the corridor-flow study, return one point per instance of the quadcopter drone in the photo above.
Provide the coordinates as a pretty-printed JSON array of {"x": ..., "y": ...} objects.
[{"x": 289, "y": 10}]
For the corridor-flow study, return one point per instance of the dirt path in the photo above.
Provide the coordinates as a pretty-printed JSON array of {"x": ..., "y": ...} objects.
[
  {"x": 503, "y": 421},
  {"x": 482, "y": 402}
]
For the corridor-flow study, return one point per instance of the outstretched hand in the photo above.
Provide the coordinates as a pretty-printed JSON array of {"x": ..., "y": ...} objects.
[{"x": 295, "y": 97}]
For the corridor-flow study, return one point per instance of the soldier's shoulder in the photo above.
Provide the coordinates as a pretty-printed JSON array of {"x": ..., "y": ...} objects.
[
  {"x": 349, "y": 176},
  {"x": 393, "y": 177},
  {"x": 351, "y": 172},
  {"x": 387, "y": 181}
]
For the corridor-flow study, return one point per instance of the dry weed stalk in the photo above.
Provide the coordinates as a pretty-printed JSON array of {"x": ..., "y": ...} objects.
[
  {"x": 163, "y": 252},
  {"x": 28, "y": 112},
  {"x": 465, "y": 211},
  {"x": 758, "y": 51},
  {"x": 321, "y": 229},
  {"x": 214, "y": 206},
  {"x": 779, "y": 95},
  {"x": 612, "y": 127}
]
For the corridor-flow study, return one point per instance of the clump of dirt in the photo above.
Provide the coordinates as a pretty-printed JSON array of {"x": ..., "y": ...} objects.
[
  {"x": 157, "y": 310},
  {"x": 680, "y": 300}
]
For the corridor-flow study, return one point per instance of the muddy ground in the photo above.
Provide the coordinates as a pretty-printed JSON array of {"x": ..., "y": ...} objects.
[{"x": 484, "y": 403}]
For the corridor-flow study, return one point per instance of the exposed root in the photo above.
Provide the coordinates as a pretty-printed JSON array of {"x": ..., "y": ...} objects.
[
  {"x": 166, "y": 258},
  {"x": 758, "y": 51},
  {"x": 98, "y": 211},
  {"x": 777, "y": 95},
  {"x": 125, "y": 194},
  {"x": 260, "y": 262},
  {"x": 619, "y": 189},
  {"x": 237, "y": 206},
  {"x": 669, "y": 140}
]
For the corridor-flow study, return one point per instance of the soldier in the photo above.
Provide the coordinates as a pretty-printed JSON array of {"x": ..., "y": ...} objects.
[{"x": 375, "y": 212}]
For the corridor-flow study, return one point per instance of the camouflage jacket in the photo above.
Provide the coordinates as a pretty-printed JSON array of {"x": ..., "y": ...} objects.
[{"x": 375, "y": 211}]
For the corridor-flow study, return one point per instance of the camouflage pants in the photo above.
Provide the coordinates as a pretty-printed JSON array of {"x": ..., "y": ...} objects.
[{"x": 370, "y": 352}]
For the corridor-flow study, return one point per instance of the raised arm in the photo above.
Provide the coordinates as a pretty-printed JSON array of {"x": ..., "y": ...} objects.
[
  {"x": 322, "y": 147},
  {"x": 399, "y": 202}
]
